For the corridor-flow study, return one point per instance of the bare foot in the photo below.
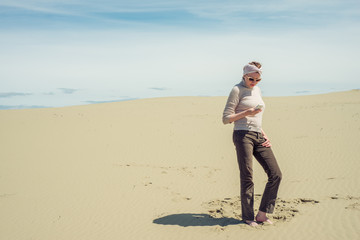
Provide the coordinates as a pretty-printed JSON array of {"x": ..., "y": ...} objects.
[
  {"x": 261, "y": 217},
  {"x": 265, "y": 221},
  {"x": 251, "y": 223}
]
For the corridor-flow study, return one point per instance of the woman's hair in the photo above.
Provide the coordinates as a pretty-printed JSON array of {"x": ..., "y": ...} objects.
[{"x": 256, "y": 64}]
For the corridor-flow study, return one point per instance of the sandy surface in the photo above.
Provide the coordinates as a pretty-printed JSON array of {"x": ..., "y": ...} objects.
[{"x": 166, "y": 169}]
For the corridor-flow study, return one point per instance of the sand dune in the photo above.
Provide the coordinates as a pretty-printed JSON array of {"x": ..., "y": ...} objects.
[{"x": 165, "y": 168}]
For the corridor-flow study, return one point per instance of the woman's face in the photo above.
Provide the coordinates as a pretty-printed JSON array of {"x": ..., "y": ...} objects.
[{"x": 251, "y": 79}]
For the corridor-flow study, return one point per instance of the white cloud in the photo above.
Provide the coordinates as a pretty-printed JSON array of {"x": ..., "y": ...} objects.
[
  {"x": 13, "y": 94},
  {"x": 35, "y": 6},
  {"x": 68, "y": 90},
  {"x": 227, "y": 11}
]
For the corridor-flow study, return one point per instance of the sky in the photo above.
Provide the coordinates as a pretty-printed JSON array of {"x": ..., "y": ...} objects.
[{"x": 76, "y": 52}]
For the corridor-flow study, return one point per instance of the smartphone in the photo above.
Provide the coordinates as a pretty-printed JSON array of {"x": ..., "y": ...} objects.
[{"x": 259, "y": 106}]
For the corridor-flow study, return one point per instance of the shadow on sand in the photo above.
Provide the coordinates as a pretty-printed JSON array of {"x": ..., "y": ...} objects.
[{"x": 193, "y": 219}]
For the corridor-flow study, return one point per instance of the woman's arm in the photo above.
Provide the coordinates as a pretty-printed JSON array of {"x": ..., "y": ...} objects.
[
  {"x": 229, "y": 114},
  {"x": 248, "y": 112}
]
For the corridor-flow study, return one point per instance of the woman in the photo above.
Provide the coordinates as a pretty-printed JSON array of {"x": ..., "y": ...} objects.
[{"x": 245, "y": 108}]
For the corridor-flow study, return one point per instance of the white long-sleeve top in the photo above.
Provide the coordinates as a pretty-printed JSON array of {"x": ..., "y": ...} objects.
[{"x": 241, "y": 98}]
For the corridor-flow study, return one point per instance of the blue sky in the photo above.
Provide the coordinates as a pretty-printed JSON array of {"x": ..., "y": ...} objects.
[{"x": 61, "y": 53}]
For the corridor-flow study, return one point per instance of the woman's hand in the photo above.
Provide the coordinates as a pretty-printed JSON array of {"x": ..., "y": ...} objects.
[
  {"x": 252, "y": 111},
  {"x": 267, "y": 142}
]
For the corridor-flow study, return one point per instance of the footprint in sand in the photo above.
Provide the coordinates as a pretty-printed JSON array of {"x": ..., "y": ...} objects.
[
  {"x": 178, "y": 198},
  {"x": 231, "y": 207},
  {"x": 212, "y": 172},
  {"x": 187, "y": 171},
  {"x": 148, "y": 184},
  {"x": 355, "y": 205},
  {"x": 7, "y": 195}
]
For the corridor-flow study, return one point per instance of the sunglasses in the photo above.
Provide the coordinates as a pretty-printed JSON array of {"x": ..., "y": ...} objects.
[{"x": 254, "y": 80}]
